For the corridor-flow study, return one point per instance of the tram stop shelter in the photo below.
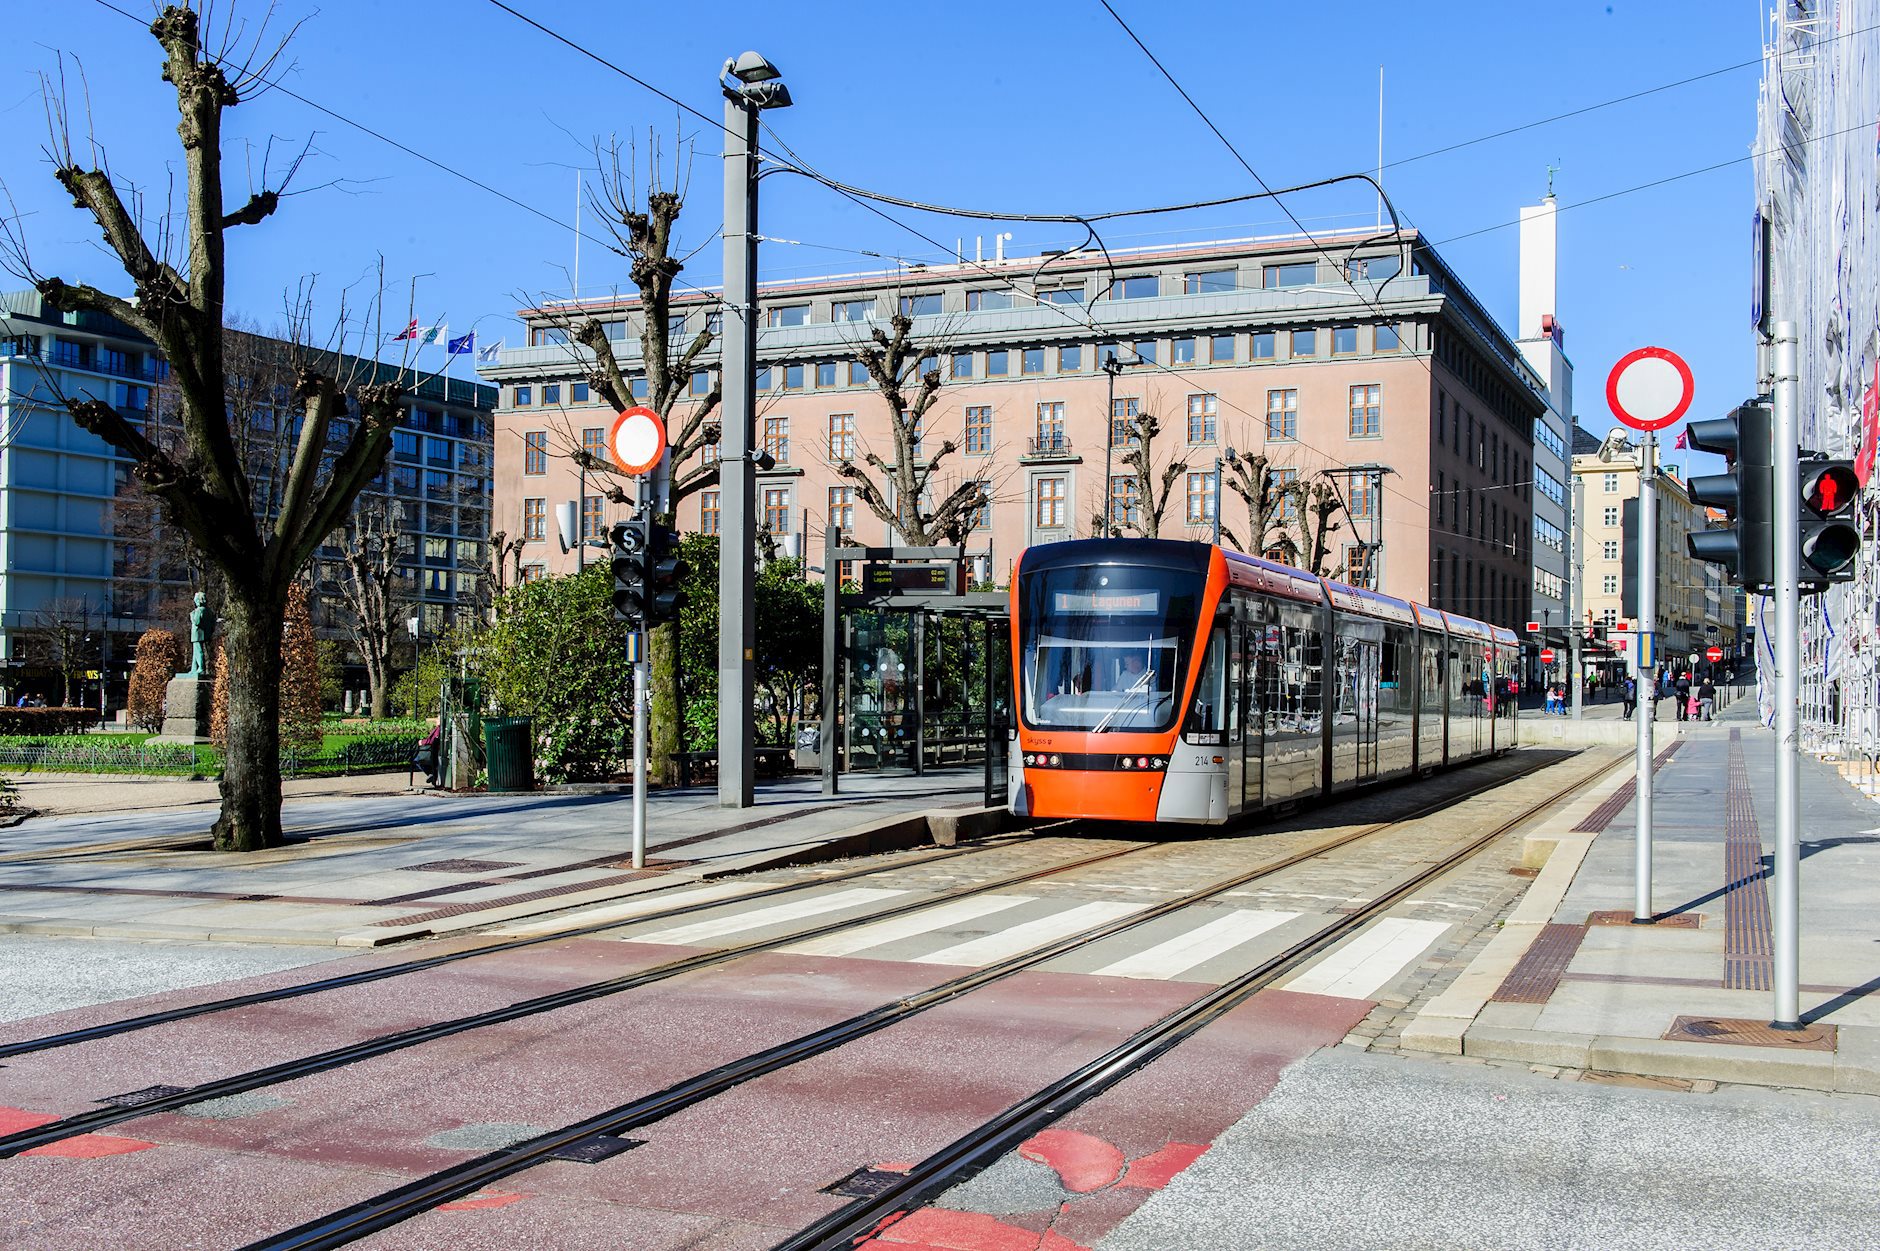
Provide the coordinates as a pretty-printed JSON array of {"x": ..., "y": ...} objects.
[{"x": 916, "y": 668}]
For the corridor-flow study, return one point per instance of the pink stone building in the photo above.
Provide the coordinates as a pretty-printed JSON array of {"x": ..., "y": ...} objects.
[{"x": 1363, "y": 358}]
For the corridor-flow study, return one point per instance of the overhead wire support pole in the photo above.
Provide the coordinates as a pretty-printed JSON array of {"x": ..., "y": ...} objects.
[
  {"x": 1785, "y": 904},
  {"x": 1576, "y": 630},
  {"x": 1645, "y": 665}
]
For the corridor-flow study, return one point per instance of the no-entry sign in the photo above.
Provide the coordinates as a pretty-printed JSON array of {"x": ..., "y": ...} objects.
[
  {"x": 1547, "y": 655},
  {"x": 1650, "y": 388},
  {"x": 1713, "y": 654},
  {"x": 637, "y": 440}
]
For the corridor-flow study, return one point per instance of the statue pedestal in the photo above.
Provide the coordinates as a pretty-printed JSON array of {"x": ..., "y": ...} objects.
[{"x": 187, "y": 703}]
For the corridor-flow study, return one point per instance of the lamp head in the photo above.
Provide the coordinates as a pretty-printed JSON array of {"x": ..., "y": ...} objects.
[
  {"x": 751, "y": 67},
  {"x": 766, "y": 95}
]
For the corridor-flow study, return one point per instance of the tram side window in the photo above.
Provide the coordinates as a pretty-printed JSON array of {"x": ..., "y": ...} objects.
[{"x": 1206, "y": 713}]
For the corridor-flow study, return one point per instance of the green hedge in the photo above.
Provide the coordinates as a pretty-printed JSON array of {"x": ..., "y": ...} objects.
[{"x": 134, "y": 754}]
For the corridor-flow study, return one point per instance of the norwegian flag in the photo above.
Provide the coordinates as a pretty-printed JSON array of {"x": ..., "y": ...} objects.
[{"x": 409, "y": 332}]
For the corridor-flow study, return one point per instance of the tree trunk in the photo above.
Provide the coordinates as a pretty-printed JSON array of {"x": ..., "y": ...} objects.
[
  {"x": 377, "y": 685},
  {"x": 251, "y": 760},
  {"x": 668, "y": 705}
]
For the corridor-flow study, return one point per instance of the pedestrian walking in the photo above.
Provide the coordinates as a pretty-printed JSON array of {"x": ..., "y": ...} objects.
[
  {"x": 1631, "y": 698},
  {"x": 1681, "y": 692},
  {"x": 1706, "y": 699}
]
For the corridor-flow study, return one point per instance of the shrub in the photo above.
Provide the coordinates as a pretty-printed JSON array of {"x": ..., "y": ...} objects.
[
  {"x": 41, "y": 721},
  {"x": 158, "y": 655}
]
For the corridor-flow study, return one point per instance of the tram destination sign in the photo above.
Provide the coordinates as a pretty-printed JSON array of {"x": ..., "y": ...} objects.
[{"x": 934, "y": 578}]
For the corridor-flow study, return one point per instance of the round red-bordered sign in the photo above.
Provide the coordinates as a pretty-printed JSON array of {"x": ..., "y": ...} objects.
[
  {"x": 1650, "y": 388},
  {"x": 637, "y": 441},
  {"x": 1713, "y": 654},
  {"x": 1547, "y": 655}
]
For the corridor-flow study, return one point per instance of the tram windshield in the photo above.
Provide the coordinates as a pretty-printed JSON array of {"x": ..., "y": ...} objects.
[{"x": 1104, "y": 647}]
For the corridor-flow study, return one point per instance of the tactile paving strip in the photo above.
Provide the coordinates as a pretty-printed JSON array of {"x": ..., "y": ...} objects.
[
  {"x": 1746, "y": 926},
  {"x": 1746, "y": 1032},
  {"x": 1596, "y": 821},
  {"x": 1537, "y": 975}
]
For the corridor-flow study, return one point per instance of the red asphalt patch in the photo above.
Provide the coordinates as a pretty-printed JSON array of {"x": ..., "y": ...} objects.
[
  {"x": 13, "y": 1120},
  {"x": 481, "y": 1200},
  {"x": 91, "y": 1147},
  {"x": 942, "y": 1229},
  {"x": 1083, "y": 1162},
  {"x": 1154, "y": 1171}
]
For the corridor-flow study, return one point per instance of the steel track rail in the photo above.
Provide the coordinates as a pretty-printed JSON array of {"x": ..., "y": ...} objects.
[
  {"x": 110, "y": 1029},
  {"x": 352, "y": 1053},
  {"x": 400, "y": 1204},
  {"x": 982, "y": 1146}
]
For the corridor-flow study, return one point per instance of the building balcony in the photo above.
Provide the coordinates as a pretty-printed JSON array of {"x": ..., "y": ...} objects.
[{"x": 1049, "y": 447}]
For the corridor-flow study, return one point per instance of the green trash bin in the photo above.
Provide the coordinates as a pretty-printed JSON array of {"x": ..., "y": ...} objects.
[{"x": 509, "y": 753}]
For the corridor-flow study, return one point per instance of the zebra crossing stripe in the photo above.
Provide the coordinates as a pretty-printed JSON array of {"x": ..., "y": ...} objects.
[
  {"x": 759, "y": 918},
  {"x": 1019, "y": 938},
  {"x": 1172, "y": 958},
  {"x": 1366, "y": 964},
  {"x": 926, "y": 921}
]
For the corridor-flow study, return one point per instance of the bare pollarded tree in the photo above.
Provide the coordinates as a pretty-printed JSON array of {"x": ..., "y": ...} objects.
[
  {"x": 1271, "y": 497},
  {"x": 369, "y": 581},
  {"x": 906, "y": 374},
  {"x": 1154, "y": 487},
  {"x": 66, "y": 635},
  {"x": 176, "y": 267}
]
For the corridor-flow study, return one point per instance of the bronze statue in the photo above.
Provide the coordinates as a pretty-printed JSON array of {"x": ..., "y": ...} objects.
[{"x": 201, "y": 631}]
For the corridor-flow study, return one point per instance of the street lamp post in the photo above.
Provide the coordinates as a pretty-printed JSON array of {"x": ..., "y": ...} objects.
[
  {"x": 750, "y": 85},
  {"x": 1226, "y": 454},
  {"x": 1112, "y": 367}
]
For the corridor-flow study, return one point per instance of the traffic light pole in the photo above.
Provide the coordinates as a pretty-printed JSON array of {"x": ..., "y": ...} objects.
[
  {"x": 1785, "y": 906},
  {"x": 1646, "y": 710},
  {"x": 1576, "y": 630},
  {"x": 642, "y": 707}
]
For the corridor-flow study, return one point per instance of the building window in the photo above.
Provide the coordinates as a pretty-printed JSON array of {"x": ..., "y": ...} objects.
[
  {"x": 1282, "y": 414},
  {"x": 1305, "y": 342},
  {"x": 1062, "y": 295},
  {"x": 1612, "y": 484},
  {"x": 1367, "y": 414},
  {"x": 1051, "y": 427},
  {"x": 1263, "y": 345},
  {"x": 1361, "y": 497},
  {"x": 1145, "y": 351},
  {"x": 841, "y": 437},
  {"x": 1125, "y": 500},
  {"x": 979, "y": 429},
  {"x": 1609, "y": 585},
  {"x": 842, "y": 508},
  {"x": 927, "y": 305},
  {"x": 1070, "y": 359},
  {"x": 764, "y": 379},
  {"x": 1344, "y": 340},
  {"x": 1386, "y": 339},
  {"x": 1201, "y": 410},
  {"x": 1050, "y": 510},
  {"x": 1183, "y": 352},
  {"x": 1136, "y": 287},
  {"x": 777, "y": 510},
  {"x": 1200, "y": 497},
  {"x": 1357, "y": 565},
  {"x": 1207, "y": 281},
  {"x": 551, "y": 393},
  {"x": 825, "y": 373},
  {"x": 1611, "y": 517},
  {"x": 852, "y": 310},
  {"x": 1286, "y": 484},
  {"x": 998, "y": 364},
  {"x": 858, "y": 374},
  {"x": 979, "y": 515},
  {"x": 777, "y": 439},
  {"x": 639, "y": 387},
  {"x": 591, "y": 516},
  {"x": 793, "y": 377},
  {"x": 404, "y": 445},
  {"x": 787, "y": 315},
  {"x": 988, "y": 300},
  {"x": 1032, "y": 361},
  {"x": 1123, "y": 414},
  {"x": 1221, "y": 349},
  {"x": 534, "y": 519},
  {"x": 1442, "y": 497},
  {"x": 962, "y": 364},
  {"x": 1299, "y": 274},
  {"x": 523, "y": 397},
  {"x": 675, "y": 327},
  {"x": 535, "y": 571},
  {"x": 708, "y": 512},
  {"x": 1609, "y": 549},
  {"x": 535, "y": 452}
]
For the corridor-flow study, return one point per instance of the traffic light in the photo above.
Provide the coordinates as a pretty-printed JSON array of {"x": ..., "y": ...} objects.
[
  {"x": 1830, "y": 533},
  {"x": 664, "y": 596},
  {"x": 630, "y": 566},
  {"x": 1746, "y": 549}
]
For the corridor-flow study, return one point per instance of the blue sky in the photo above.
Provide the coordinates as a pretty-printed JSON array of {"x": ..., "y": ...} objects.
[{"x": 1041, "y": 107}]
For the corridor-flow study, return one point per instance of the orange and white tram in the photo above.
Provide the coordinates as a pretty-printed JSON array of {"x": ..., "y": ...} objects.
[{"x": 1182, "y": 682}]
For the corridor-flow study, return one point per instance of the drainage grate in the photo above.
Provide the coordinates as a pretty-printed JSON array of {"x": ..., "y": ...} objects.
[
  {"x": 1746, "y": 1032},
  {"x": 146, "y": 1095},
  {"x": 460, "y": 866},
  {"x": 1537, "y": 975},
  {"x": 594, "y": 1150},
  {"x": 866, "y": 1183},
  {"x": 1672, "y": 921},
  {"x": 1521, "y": 870}
]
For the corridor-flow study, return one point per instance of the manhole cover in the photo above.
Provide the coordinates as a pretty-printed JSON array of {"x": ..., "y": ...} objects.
[
  {"x": 594, "y": 1150},
  {"x": 148, "y": 1094},
  {"x": 866, "y": 1183},
  {"x": 1676, "y": 921},
  {"x": 1745, "y": 1032},
  {"x": 461, "y": 866}
]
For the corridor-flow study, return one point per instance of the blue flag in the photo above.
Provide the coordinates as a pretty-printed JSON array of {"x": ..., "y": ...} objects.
[{"x": 459, "y": 346}]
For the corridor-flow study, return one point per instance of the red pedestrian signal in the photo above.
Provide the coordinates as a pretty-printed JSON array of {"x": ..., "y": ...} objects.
[
  {"x": 1830, "y": 536},
  {"x": 1830, "y": 489}
]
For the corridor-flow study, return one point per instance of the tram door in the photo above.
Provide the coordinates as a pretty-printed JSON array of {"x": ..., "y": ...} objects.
[{"x": 1243, "y": 735}]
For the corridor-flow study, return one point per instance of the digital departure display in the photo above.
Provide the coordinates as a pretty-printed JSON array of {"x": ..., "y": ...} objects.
[{"x": 1108, "y": 603}]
